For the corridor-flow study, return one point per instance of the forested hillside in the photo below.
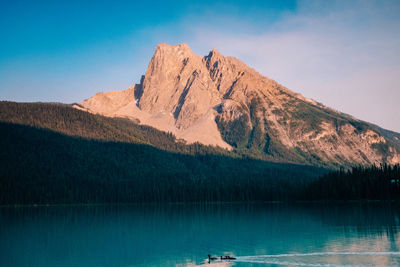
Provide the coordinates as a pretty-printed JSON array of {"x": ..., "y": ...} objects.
[
  {"x": 358, "y": 183},
  {"x": 67, "y": 120},
  {"x": 41, "y": 166},
  {"x": 51, "y": 153}
]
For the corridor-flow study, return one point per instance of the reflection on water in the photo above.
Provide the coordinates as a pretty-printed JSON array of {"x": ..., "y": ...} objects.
[
  {"x": 170, "y": 235},
  {"x": 324, "y": 258}
]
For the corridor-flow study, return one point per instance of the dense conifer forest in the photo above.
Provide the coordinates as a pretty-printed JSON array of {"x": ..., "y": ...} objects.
[
  {"x": 52, "y": 153},
  {"x": 41, "y": 166},
  {"x": 359, "y": 183}
]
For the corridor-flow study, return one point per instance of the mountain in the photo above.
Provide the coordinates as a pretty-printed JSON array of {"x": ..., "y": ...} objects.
[{"x": 220, "y": 101}]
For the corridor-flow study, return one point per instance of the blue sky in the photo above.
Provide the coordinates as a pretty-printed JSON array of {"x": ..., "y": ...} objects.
[{"x": 345, "y": 54}]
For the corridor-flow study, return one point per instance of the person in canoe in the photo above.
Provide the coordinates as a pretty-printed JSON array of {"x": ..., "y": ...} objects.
[{"x": 227, "y": 258}]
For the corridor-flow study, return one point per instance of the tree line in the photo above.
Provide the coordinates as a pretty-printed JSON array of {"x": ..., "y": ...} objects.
[{"x": 358, "y": 183}]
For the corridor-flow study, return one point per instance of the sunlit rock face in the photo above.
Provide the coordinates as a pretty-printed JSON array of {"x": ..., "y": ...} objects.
[{"x": 217, "y": 100}]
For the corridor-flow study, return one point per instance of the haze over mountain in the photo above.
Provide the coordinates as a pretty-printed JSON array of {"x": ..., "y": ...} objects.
[{"x": 217, "y": 100}]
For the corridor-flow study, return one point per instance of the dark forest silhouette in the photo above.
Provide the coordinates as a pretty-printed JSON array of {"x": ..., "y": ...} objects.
[{"x": 52, "y": 153}]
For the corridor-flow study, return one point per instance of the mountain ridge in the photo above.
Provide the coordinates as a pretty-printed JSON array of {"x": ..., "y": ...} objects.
[{"x": 217, "y": 100}]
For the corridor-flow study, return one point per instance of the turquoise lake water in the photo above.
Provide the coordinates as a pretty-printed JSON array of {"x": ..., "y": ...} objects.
[{"x": 183, "y": 235}]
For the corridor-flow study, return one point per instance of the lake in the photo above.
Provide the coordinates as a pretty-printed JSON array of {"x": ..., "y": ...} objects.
[{"x": 183, "y": 235}]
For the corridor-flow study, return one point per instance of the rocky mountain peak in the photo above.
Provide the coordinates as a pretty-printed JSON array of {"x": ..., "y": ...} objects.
[
  {"x": 213, "y": 56},
  {"x": 177, "y": 83},
  {"x": 179, "y": 51}
]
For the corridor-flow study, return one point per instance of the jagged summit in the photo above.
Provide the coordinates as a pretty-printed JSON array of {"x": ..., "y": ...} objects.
[
  {"x": 180, "y": 51},
  {"x": 214, "y": 53},
  {"x": 221, "y": 101},
  {"x": 182, "y": 46}
]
